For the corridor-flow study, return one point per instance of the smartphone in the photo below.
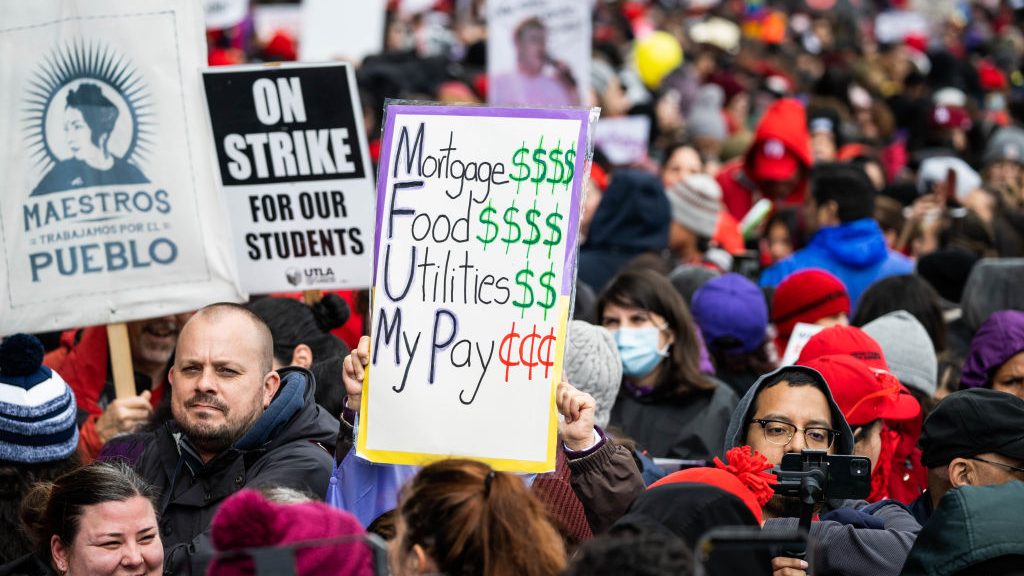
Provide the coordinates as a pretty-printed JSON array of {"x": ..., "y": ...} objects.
[{"x": 846, "y": 477}]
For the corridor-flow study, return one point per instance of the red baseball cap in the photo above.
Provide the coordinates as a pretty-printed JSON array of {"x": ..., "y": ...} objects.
[
  {"x": 846, "y": 340},
  {"x": 773, "y": 161},
  {"x": 863, "y": 394}
]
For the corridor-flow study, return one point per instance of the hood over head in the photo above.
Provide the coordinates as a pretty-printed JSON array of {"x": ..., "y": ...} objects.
[
  {"x": 736, "y": 432},
  {"x": 781, "y": 141},
  {"x": 634, "y": 214}
]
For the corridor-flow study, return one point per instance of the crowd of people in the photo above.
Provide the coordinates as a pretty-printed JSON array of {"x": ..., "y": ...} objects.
[{"x": 820, "y": 252}]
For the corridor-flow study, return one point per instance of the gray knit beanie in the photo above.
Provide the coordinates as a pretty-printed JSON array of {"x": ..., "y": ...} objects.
[
  {"x": 592, "y": 365},
  {"x": 705, "y": 117},
  {"x": 908, "y": 349},
  {"x": 696, "y": 203},
  {"x": 1006, "y": 144}
]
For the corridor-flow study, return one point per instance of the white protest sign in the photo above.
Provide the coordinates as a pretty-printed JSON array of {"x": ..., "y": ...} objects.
[
  {"x": 538, "y": 52},
  {"x": 475, "y": 253},
  {"x": 333, "y": 29},
  {"x": 222, "y": 14},
  {"x": 623, "y": 140},
  {"x": 895, "y": 25},
  {"x": 296, "y": 174},
  {"x": 268, "y": 19},
  {"x": 108, "y": 204},
  {"x": 802, "y": 333}
]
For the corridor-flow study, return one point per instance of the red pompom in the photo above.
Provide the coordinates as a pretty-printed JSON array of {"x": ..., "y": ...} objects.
[{"x": 750, "y": 467}]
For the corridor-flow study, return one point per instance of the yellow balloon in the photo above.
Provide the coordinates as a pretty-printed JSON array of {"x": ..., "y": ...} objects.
[{"x": 655, "y": 55}]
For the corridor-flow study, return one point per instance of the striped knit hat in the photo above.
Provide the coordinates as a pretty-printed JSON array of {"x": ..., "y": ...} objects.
[
  {"x": 696, "y": 202},
  {"x": 37, "y": 408}
]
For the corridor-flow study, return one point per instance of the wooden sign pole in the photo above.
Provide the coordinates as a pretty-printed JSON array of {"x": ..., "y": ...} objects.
[{"x": 121, "y": 359}]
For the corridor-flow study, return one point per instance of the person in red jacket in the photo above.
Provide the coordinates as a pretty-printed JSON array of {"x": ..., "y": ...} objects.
[
  {"x": 84, "y": 360},
  {"x": 775, "y": 166}
]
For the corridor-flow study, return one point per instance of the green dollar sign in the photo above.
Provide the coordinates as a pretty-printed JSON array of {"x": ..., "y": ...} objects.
[
  {"x": 555, "y": 236},
  {"x": 570, "y": 164},
  {"x": 557, "y": 170},
  {"x": 531, "y": 221},
  {"x": 491, "y": 231},
  {"x": 509, "y": 219},
  {"x": 523, "y": 278},
  {"x": 520, "y": 163},
  {"x": 542, "y": 166},
  {"x": 550, "y": 296}
]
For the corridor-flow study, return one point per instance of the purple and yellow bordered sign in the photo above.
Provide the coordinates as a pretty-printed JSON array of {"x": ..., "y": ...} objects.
[{"x": 478, "y": 214}]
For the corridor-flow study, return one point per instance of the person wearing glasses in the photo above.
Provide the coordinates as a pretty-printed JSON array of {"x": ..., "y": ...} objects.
[
  {"x": 972, "y": 438},
  {"x": 790, "y": 410}
]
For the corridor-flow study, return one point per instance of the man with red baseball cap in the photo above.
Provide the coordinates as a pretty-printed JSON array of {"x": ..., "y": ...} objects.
[
  {"x": 868, "y": 398},
  {"x": 899, "y": 432},
  {"x": 776, "y": 164}
]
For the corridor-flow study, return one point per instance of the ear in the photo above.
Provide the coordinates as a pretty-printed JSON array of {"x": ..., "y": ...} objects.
[
  {"x": 60, "y": 554},
  {"x": 170, "y": 376},
  {"x": 424, "y": 565},
  {"x": 271, "y": 384},
  {"x": 962, "y": 473},
  {"x": 302, "y": 356},
  {"x": 831, "y": 209}
]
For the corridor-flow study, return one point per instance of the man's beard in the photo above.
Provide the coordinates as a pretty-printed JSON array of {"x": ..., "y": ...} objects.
[
  {"x": 786, "y": 507},
  {"x": 214, "y": 439}
]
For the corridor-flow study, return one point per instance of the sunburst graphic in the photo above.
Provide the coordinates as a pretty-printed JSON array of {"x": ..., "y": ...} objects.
[{"x": 66, "y": 66}]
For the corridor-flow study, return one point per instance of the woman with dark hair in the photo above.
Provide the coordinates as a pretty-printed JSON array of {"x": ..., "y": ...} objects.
[
  {"x": 461, "y": 518},
  {"x": 96, "y": 520},
  {"x": 302, "y": 337},
  {"x": 89, "y": 121},
  {"x": 907, "y": 292},
  {"x": 666, "y": 404}
]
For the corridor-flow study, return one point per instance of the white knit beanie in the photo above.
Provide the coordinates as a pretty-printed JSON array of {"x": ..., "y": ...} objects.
[
  {"x": 592, "y": 365},
  {"x": 696, "y": 203}
]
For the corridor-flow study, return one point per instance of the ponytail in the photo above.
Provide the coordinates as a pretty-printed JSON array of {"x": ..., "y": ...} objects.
[{"x": 471, "y": 519}]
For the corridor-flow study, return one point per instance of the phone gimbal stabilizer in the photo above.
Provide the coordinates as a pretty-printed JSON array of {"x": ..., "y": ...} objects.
[{"x": 814, "y": 476}]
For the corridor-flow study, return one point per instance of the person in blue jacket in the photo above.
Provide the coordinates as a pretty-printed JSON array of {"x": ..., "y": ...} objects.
[{"x": 847, "y": 242}]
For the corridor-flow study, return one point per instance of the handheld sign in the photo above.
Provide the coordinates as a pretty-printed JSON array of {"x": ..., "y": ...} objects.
[
  {"x": 474, "y": 266},
  {"x": 296, "y": 174},
  {"x": 108, "y": 206},
  {"x": 802, "y": 334}
]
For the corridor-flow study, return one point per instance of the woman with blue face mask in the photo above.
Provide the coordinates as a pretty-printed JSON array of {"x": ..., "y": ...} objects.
[{"x": 666, "y": 404}]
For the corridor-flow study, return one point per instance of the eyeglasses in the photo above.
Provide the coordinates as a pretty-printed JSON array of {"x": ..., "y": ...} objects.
[
  {"x": 1000, "y": 464},
  {"x": 781, "y": 434}
]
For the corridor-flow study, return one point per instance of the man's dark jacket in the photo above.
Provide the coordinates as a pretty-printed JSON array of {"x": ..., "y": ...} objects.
[{"x": 288, "y": 446}]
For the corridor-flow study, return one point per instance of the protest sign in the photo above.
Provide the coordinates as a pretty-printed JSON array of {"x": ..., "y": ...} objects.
[
  {"x": 802, "y": 334},
  {"x": 623, "y": 140},
  {"x": 474, "y": 266},
  {"x": 538, "y": 52},
  {"x": 108, "y": 204},
  {"x": 296, "y": 174},
  {"x": 348, "y": 30}
]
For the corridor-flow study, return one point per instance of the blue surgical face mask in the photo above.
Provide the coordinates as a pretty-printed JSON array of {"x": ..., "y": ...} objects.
[{"x": 638, "y": 348}]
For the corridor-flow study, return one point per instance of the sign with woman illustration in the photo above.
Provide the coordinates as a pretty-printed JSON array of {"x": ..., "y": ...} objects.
[{"x": 108, "y": 206}]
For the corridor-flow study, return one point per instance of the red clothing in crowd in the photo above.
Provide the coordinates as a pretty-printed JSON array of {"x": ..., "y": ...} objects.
[
  {"x": 85, "y": 366},
  {"x": 780, "y": 140}
]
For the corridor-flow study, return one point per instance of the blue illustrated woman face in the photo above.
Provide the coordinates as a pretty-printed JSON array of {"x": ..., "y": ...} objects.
[
  {"x": 89, "y": 120},
  {"x": 78, "y": 134}
]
